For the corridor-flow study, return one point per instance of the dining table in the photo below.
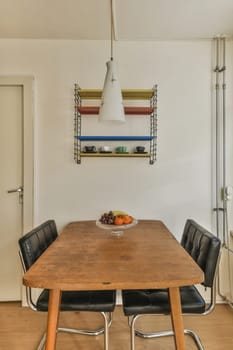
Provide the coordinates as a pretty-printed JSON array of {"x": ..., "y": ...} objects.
[{"x": 87, "y": 257}]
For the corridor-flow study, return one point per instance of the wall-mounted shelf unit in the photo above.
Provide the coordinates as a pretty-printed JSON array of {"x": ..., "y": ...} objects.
[{"x": 149, "y": 95}]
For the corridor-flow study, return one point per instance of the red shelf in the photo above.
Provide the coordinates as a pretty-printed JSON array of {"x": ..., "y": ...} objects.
[{"x": 128, "y": 110}]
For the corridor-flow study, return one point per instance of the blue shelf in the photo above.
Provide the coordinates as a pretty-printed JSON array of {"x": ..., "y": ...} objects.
[{"x": 115, "y": 138}]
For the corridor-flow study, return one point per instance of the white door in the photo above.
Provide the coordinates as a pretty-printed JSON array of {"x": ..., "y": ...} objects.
[{"x": 12, "y": 182}]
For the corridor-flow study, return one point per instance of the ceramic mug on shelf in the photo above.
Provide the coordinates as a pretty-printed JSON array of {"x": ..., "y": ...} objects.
[
  {"x": 121, "y": 149},
  {"x": 105, "y": 149},
  {"x": 90, "y": 149},
  {"x": 140, "y": 149}
]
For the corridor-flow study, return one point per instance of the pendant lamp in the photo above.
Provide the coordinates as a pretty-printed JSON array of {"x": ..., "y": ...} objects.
[{"x": 111, "y": 107}]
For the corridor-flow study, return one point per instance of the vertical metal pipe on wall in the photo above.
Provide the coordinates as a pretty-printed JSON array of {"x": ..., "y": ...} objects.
[
  {"x": 216, "y": 70},
  {"x": 223, "y": 69},
  {"x": 221, "y": 198},
  {"x": 220, "y": 139}
]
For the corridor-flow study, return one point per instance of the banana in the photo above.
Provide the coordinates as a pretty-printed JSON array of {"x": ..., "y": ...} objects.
[{"x": 118, "y": 212}]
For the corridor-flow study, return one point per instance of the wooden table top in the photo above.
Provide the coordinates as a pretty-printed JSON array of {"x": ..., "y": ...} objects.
[{"x": 87, "y": 257}]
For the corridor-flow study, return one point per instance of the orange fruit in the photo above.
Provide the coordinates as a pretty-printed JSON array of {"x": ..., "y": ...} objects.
[
  {"x": 127, "y": 219},
  {"x": 118, "y": 220}
]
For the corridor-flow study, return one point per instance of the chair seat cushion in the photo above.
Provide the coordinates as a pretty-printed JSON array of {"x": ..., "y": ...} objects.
[
  {"x": 156, "y": 301},
  {"x": 99, "y": 301}
]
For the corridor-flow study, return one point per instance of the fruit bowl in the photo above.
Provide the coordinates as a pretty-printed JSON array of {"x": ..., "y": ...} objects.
[{"x": 114, "y": 216}]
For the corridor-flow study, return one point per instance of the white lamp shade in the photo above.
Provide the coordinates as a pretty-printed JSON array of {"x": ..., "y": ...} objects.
[{"x": 111, "y": 107}]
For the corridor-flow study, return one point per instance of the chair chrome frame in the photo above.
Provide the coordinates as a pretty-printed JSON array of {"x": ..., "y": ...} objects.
[
  {"x": 132, "y": 319},
  {"x": 104, "y": 330}
]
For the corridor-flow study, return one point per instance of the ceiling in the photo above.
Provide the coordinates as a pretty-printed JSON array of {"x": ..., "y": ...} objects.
[{"x": 134, "y": 19}]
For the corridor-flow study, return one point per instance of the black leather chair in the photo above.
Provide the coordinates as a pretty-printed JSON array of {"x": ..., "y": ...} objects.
[
  {"x": 204, "y": 248},
  {"x": 32, "y": 245}
]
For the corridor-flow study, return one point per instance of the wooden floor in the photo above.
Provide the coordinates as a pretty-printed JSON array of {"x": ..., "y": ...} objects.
[{"x": 21, "y": 328}]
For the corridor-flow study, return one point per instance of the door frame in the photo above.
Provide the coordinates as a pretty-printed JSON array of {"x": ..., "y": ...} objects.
[{"x": 26, "y": 82}]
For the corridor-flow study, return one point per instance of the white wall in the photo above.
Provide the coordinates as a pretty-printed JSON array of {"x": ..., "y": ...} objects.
[{"x": 177, "y": 187}]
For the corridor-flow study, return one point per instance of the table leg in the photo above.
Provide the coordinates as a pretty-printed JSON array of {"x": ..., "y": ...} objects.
[
  {"x": 53, "y": 315},
  {"x": 177, "y": 320}
]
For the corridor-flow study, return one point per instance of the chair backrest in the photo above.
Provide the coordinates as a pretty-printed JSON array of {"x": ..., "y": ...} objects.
[
  {"x": 35, "y": 242},
  {"x": 204, "y": 248}
]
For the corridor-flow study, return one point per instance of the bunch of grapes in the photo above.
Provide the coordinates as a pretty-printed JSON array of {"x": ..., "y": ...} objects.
[{"x": 107, "y": 218}]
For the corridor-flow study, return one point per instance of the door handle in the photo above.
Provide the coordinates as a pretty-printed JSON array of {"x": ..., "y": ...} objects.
[{"x": 19, "y": 190}]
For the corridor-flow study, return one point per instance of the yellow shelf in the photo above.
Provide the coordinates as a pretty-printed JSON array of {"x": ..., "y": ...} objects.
[
  {"x": 128, "y": 94},
  {"x": 140, "y": 155}
]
